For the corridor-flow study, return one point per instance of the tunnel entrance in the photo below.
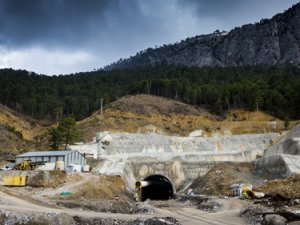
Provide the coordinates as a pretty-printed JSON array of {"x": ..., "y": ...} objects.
[{"x": 157, "y": 187}]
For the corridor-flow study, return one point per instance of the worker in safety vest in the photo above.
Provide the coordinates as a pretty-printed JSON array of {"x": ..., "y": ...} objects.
[{"x": 136, "y": 196}]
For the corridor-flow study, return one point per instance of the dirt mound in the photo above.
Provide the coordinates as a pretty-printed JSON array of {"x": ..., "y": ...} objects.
[
  {"x": 98, "y": 193},
  {"x": 218, "y": 180},
  {"x": 288, "y": 188},
  {"x": 147, "y": 114},
  {"x": 47, "y": 179},
  {"x": 150, "y": 104},
  {"x": 101, "y": 187},
  {"x": 152, "y": 114}
]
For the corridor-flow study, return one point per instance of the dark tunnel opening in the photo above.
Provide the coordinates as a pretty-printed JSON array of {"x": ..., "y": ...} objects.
[{"x": 158, "y": 188}]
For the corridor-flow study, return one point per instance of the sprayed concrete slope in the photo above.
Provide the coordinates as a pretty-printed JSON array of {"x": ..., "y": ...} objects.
[
  {"x": 284, "y": 157},
  {"x": 181, "y": 159},
  {"x": 284, "y": 164},
  {"x": 289, "y": 144}
]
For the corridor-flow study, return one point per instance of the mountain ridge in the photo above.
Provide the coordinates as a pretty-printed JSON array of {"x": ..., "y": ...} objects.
[{"x": 270, "y": 42}]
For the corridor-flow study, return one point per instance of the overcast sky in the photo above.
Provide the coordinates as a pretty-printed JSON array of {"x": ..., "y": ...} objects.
[{"x": 67, "y": 36}]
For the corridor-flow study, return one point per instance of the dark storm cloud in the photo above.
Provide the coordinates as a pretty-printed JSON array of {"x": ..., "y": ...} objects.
[
  {"x": 76, "y": 22},
  {"x": 234, "y": 12},
  {"x": 79, "y": 23},
  {"x": 35, "y": 21}
]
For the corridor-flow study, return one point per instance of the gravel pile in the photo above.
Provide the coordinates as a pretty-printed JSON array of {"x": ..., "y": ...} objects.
[
  {"x": 156, "y": 221},
  {"x": 252, "y": 214},
  {"x": 143, "y": 208},
  {"x": 50, "y": 218},
  {"x": 9, "y": 218}
]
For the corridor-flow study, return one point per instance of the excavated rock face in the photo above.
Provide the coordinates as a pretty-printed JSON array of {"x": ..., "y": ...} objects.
[{"x": 270, "y": 42}]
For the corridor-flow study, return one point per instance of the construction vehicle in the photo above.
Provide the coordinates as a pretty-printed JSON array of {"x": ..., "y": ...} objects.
[{"x": 28, "y": 165}]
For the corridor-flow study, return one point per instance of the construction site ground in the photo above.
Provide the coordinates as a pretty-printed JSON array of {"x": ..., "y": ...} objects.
[
  {"x": 86, "y": 197},
  {"x": 58, "y": 198},
  {"x": 185, "y": 212}
]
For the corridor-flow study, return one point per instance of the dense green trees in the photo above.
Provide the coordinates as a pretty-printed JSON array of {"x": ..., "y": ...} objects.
[{"x": 272, "y": 89}]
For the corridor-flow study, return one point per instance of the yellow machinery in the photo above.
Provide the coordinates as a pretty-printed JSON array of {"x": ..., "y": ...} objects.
[
  {"x": 14, "y": 180},
  {"x": 28, "y": 165},
  {"x": 22, "y": 165},
  {"x": 138, "y": 190}
]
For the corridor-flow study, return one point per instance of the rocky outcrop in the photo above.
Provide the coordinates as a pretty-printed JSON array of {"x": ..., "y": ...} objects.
[{"x": 270, "y": 42}]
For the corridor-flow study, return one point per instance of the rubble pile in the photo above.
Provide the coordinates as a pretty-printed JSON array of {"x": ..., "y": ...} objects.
[
  {"x": 101, "y": 187},
  {"x": 209, "y": 205},
  {"x": 47, "y": 179},
  {"x": 150, "y": 221},
  {"x": 109, "y": 206},
  {"x": 260, "y": 215},
  {"x": 143, "y": 208},
  {"x": 219, "y": 179},
  {"x": 10, "y": 218},
  {"x": 252, "y": 214},
  {"x": 289, "y": 187},
  {"x": 156, "y": 221}
]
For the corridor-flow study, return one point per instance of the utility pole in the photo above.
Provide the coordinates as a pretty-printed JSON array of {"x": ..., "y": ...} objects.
[
  {"x": 101, "y": 106},
  {"x": 97, "y": 150}
]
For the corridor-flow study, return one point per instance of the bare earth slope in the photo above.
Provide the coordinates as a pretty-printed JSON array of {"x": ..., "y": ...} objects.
[
  {"x": 148, "y": 113},
  {"x": 29, "y": 127},
  {"x": 18, "y": 133}
]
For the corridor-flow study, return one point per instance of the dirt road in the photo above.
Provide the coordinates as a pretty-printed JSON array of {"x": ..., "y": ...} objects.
[
  {"x": 15, "y": 204},
  {"x": 192, "y": 216},
  {"x": 186, "y": 216}
]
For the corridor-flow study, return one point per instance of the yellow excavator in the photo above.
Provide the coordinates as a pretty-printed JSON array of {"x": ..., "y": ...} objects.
[{"x": 28, "y": 165}]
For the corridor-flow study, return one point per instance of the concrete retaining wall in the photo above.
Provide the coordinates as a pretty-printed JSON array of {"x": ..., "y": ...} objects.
[
  {"x": 154, "y": 143},
  {"x": 136, "y": 143}
]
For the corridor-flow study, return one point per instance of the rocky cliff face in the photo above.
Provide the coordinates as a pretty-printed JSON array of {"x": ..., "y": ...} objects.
[{"x": 271, "y": 42}]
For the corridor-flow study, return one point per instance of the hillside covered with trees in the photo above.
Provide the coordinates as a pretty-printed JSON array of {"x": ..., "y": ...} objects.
[{"x": 272, "y": 89}]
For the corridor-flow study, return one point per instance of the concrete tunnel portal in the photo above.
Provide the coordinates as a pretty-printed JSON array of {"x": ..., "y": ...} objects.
[{"x": 156, "y": 187}]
